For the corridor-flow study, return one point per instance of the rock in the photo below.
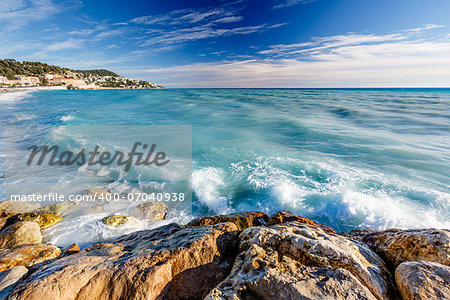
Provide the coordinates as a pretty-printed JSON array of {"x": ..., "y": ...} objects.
[
  {"x": 153, "y": 211},
  {"x": 10, "y": 207},
  {"x": 170, "y": 262},
  {"x": 118, "y": 220},
  {"x": 242, "y": 220},
  {"x": 21, "y": 233},
  {"x": 101, "y": 194},
  {"x": 423, "y": 280},
  {"x": 69, "y": 250},
  {"x": 58, "y": 208},
  {"x": 3, "y": 222},
  {"x": 9, "y": 279},
  {"x": 44, "y": 220},
  {"x": 397, "y": 246},
  {"x": 27, "y": 255},
  {"x": 285, "y": 216},
  {"x": 299, "y": 261},
  {"x": 358, "y": 234}
]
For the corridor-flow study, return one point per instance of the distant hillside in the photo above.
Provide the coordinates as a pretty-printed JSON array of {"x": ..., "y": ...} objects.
[
  {"x": 100, "y": 72},
  {"x": 26, "y": 73},
  {"x": 10, "y": 68}
]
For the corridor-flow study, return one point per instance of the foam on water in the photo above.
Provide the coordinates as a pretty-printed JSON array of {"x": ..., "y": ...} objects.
[
  {"x": 14, "y": 96},
  {"x": 208, "y": 184}
]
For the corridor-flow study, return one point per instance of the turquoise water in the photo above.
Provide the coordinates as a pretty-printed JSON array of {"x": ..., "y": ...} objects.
[{"x": 360, "y": 158}]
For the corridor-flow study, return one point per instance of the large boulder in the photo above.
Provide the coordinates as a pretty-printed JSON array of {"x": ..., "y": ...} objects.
[
  {"x": 397, "y": 246},
  {"x": 21, "y": 233},
  {"x": 423, "y": 280},
  {"x": 298, "y": 261},
  {"x": 170, "y": 262},
  {"x": 10, "y": 207},
  {"x": 9, "y": 279},
  {"x": 285, "y": 216},
  {"x": 242, "y": 220},
  {"x": 152, "y": 211},
  {"x": 44, "y": 220},
  {"x": 27, "y": 255}
]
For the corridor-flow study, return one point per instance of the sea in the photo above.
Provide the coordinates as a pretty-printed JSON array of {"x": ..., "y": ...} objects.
[{"x": 348, "y": 158}]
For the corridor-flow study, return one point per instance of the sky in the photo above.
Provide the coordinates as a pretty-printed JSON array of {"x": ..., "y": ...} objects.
[{"x": 240, "y": 43}]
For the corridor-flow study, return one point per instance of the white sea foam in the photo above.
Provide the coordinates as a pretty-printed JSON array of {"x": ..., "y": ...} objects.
[
  {"x": 381, "y": 211},
  {"x": 69, "y": 117},
  {"x": 207, "y": 184},
  {"x": 14, "y": 96}
]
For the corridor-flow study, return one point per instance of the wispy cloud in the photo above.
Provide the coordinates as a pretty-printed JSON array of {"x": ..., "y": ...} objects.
[
  {"x": 201, "y": 32},
  {"x": 68, "y": 44},
  {"x": 288, "y": 3},
  {"x": 189, "y": 25},
  {"x": 351, "y": 60},
  {"x": 15, "y": 14}
]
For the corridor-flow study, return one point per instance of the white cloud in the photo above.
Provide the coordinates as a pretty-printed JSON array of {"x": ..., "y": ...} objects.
[
  {"x": 202, "y": 32},
  {"x": 351, "y": 60},
  {"x": 68, "y": 44},
  {"x": 15, "y": 14},
  {"x": 231, "y": 19},
  {"x": 288, "y": 3}
]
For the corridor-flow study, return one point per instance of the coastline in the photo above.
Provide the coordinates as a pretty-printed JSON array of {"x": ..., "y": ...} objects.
[
  {"x": 30, "y": 89},
  {"x": 246, "y": 255},
  {"x": 60, "y": 88}
]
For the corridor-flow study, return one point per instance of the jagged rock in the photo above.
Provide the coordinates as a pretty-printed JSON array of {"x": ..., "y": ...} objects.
[
  {"x": 10, "y": 207},
  {"x": 285, "y": 216},
  {"x": 44, "y": 220},
  {"x": 397, "y": 246},
  {"x": 72, "y": 249},
  {"x": 9, "y": 279},
  {"x": 153, "y": 211},
  {"x": 298, "y": 261},
  {"x": 21, "y": 233},
  {"x": 118, "y": 220},
  {"x": 242, "y": 220},
  {"x": 3, "y": 222},
  {"x": 58, "y": 208},
  {"x": 423, "y": 280},
  {"x": 27, "y": 255},
  {"x": 170, "y": 262}
]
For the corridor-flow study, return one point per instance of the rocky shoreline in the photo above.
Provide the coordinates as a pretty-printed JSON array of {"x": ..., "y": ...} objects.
[{"x": 247, "y": 255}]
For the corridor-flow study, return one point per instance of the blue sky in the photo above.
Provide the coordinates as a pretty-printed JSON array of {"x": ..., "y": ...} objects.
[{"x": 243, "y": 43}]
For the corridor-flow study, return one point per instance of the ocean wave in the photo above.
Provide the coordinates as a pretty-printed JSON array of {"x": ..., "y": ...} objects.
[
  {"x": 208, "y": 185},
  {"x": 14, "y": 96}
]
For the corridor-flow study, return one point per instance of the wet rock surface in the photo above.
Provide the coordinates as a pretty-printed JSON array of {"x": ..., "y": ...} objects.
[{"x": 44, "y": 220}]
